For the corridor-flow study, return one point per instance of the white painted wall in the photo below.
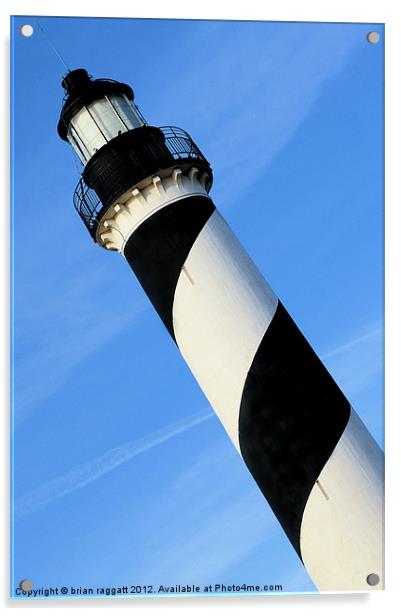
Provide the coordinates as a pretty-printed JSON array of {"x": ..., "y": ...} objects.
[
  {"x": 222, "y": 308},
  {"x": 342, "y": 525}
]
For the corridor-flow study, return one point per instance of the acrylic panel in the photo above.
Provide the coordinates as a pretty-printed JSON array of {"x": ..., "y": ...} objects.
[{"x": 263, "y": 474}]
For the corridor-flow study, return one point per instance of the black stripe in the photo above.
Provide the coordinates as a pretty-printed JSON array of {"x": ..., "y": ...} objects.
[
  {"x": 157, "y": 250},
  {"x": 291, "y": 417}
]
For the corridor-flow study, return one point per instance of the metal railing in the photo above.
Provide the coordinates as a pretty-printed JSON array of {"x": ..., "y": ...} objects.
[
  {"x": 88, "y": 206},
  {"x": 180, "y": 147},
  {"x": 180, "y": 143}
]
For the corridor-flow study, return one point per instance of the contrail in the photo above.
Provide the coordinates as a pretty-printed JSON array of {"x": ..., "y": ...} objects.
[
  {"x": 352, "y": 343},
  {"x": 82, "y": 475}
]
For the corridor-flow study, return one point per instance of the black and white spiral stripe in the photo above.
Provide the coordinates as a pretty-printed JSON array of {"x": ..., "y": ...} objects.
[{"x": 280, "y": 406}]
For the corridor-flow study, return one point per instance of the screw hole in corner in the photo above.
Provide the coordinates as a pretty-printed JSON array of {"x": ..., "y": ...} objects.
[
  {"x": 26, "y": 30},
  {"x": 373, "y": 38},
  {"x": 26, "y": 585},
  {"x": 373, "y": 579}
]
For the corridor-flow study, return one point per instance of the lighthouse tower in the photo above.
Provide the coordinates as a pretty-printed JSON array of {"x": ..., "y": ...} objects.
[{"x": 144, "y": 192}]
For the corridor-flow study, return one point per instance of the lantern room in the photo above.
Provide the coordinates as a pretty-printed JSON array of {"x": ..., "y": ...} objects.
[
  {"x": 116, "y": 146},
  {"x": 95, "y": 112}
]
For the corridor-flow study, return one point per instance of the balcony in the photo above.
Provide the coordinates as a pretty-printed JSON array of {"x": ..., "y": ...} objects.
[{"x": 127, "y": 160}]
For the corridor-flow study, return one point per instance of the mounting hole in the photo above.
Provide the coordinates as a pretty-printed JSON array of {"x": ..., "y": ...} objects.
[
  {"x": 373, "y": 579},
  {"x": 25, "y": 585},
  {"x": 373, "y": 37},
  {"x": 26, "y": 30}
]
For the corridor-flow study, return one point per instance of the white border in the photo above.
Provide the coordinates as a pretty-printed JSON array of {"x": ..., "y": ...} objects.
[{"x": 386, "y": 11}]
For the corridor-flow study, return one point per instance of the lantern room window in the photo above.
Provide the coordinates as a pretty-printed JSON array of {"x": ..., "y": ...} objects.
[{"x": 99, "y": 122}]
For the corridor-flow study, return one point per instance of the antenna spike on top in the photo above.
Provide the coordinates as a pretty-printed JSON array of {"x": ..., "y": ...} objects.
[{"x": 52, "y": 46}]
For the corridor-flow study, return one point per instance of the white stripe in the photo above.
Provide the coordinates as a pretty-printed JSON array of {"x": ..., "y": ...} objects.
[
  {"x": 222, "y": 308},
  {"x": 342, "y": 525}
]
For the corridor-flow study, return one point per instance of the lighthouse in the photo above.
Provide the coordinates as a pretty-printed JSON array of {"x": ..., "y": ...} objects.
[{"x": 145, "y": 193}]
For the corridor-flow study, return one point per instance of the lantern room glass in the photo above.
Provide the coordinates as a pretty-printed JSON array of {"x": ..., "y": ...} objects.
[{"x": 99, "y": 122}]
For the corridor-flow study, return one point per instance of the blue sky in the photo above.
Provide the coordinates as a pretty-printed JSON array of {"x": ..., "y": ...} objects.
[{"x": 134, "y": 481}]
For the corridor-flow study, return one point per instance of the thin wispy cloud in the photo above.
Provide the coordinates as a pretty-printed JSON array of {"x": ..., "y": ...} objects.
[
  {"x": 59, "y": 329},
  {"x": 357, "y": 362},
  {"x": 354, "y": 342},
  {"x": 357, "y": 367},
  {"x": 212, "y": 518},
  {"x": 85, "y": 474},
  {"x": 247, "y": 125},
  {"x": 234, "y": 530}
]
